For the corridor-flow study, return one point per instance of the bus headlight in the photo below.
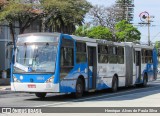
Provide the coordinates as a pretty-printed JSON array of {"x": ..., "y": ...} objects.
[
  {"x": 50, "y": 80},
  {"x": 15, "y": 79}
]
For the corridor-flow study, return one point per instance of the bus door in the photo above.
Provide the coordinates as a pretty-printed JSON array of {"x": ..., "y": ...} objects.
[
  {"x": 92, "y": 67},
  {"x": 138, "y": 65}
]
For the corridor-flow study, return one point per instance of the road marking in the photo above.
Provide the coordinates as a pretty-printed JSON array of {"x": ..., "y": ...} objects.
[{"x": 90, "y": 98}]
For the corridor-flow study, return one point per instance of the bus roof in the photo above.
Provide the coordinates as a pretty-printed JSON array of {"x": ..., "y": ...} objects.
[
  {"x": 39, "y": 34},
  {"x": 86, "y": 39}
]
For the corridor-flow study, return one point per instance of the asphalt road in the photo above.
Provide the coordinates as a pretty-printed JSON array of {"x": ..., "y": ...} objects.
[{"x": 131, "y": 96}]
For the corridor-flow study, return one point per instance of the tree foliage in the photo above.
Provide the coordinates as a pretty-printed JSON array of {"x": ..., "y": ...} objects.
[
  {"x": 55, "y": 15},
  {"x": 157, "y": 44},
  {"x": 126, "y": 32},
  {"x": 82, "y": 31},
  {"x": 100, "y": 32},
  {"x": 97, "y": 32},
  {"x": 15, "y": 12},
  {"x": 64, "y": 15},
  {"x": 106, "y": 16}
]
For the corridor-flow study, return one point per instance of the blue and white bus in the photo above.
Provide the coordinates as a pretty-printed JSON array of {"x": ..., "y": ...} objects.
[{"x": 60, "y": 63}]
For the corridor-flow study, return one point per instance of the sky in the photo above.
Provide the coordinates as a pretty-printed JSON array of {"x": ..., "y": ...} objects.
[{"x": 150, "y": 6}]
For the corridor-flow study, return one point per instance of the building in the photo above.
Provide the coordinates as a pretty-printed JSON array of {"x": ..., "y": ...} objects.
[
  {"x": 5, "y": 50},
  {"x": 128, "y": 9}
]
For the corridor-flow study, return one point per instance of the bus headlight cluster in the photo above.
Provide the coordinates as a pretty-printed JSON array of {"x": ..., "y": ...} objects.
[
  {"x": 50, "y": 80},
  {"x": 15, "y": 79}
]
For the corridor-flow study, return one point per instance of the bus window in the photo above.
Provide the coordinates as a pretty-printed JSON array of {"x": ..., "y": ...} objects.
[
  {"x": 112, "y": 54},
  {"x": 102, "y": 54},
  {"x": 120, "y": 54},
  {"x": 81, "y": 55},
  {"x": 143, "y": 55},
  {"x": 147, "y": 56},
  {"x": 67, "y": 57}
]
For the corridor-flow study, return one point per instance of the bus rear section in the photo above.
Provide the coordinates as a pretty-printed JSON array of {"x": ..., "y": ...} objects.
[{"x": 145, "y": 64}]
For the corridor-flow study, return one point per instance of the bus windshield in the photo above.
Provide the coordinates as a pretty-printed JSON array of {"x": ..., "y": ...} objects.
[{"x": 35, "y": 57}]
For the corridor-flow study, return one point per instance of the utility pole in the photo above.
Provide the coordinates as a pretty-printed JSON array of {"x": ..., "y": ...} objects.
[
  {"x": 149, "y": 41},
  {"x": 146, "y": 20}
]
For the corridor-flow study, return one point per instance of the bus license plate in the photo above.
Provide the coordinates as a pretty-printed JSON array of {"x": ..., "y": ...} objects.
[{"x": 31, "y": 86}]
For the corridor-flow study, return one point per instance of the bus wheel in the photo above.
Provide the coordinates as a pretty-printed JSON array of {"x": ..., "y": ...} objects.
[
  {"x": 145, "y": 80},
  {"x": 79, "y": 88},
  {"x": 41, "y": 95},
  {"x": 114, "y": 84}
]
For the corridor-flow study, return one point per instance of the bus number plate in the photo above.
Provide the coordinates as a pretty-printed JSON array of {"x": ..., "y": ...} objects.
[{"x": 31, "y": 86}]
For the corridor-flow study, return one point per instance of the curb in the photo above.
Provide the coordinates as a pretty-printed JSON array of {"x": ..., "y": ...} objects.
[{"x": 5, "y": 89}]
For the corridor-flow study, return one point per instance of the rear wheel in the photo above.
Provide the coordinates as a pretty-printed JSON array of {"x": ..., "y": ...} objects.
[
  {"x": 41, "y": 95},
  {"x": 114, "y": 84},
  {"x": 145, "y": 80},
  {"x": 79, "y": 88}
]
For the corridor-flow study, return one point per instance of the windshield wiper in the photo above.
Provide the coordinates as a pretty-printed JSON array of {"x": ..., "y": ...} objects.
[{"x": 24, "y": 68}]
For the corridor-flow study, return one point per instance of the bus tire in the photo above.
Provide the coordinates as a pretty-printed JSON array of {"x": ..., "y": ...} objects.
[
  {"x": 79, "y": 88},
  {"x": 114, "y": 84},
  {"x": 41, "y": 95},
  {"x": 145, "y": 80}
]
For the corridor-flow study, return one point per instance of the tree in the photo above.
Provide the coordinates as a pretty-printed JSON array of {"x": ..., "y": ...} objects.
[
  {"x": 157, "y": 45},
  {"x": 106, "y": 16},
  {"x": 15, "y": 12},
  {"x": 64, "y": 15},
  {"x": 126, "y": 32},
  {"x": 82, "y": 31},
  {"x": 56, "y": 15},
  {"x": 97, "y": 32}
]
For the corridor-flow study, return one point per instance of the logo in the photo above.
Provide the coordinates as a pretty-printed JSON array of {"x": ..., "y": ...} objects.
[{"x": 6, "y": 110}]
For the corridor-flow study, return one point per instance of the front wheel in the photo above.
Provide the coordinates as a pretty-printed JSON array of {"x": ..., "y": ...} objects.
[
  {"x": 79, "y": 89},
  {"x": 41, "y": 95}
]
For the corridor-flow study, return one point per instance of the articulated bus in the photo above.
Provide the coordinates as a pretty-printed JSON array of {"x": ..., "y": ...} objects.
[{"x": 60, "y": 63}]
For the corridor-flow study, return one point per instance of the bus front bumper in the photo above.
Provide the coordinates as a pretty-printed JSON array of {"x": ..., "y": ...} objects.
[{"x": 35, "y": 87}]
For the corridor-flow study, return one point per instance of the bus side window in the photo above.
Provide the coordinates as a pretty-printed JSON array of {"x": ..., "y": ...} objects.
[
  {"x": 112, "y": 54},
  {"x": 120, "y": 55},
  {"x": 102, "y": 54},
  {"x": 81, "y": 55},
  {"x": 66, "y": 57}
]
